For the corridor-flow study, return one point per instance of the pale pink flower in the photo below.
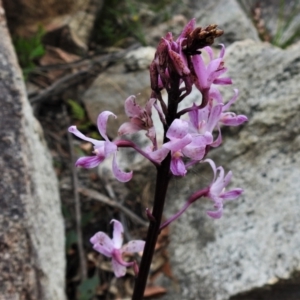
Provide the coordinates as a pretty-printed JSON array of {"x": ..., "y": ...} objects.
[
  {"x": 179, "y": 138},
  {"x": 113, "y": 248},
  {"x": 217, "y": 192},
  {"x": 140, "y": 118},
  {"x": 205, "y": 120},
  {"x": 102, "y": 149},
  {"x": 229, "y": 118},
  {"x": 206, "y": 75}
]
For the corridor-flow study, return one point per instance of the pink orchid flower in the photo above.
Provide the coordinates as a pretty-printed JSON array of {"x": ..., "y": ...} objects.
[
  {"x": 205, "y": 120},
  {"x": 102, "y": 149},
  {"x": 217, "y": 191},
  {"x": 140, "y": 118},
  {"x": 113, "y": 248},
  {"x": 179, "y": 138},
  {"x": 205, "y": 76},
  {"x": 229, "y": 118}
]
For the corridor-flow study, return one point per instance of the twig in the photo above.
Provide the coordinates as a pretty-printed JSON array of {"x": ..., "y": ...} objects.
[
  {"x": 112, "y": 195},
  {"x": 95, "y": 195},
  {"x": 62, "y": 84},
  {"x": 92, "y": 68},
  {"x": 88, "y": 61},
  {"x": 83, "y": 267}
]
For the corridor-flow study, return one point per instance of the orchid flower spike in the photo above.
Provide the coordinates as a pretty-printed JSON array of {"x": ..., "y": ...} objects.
[
  {"x": 113, "y": 248},
  {"x": 217, "y": 191},
  {"x": 102, "y": 149}
]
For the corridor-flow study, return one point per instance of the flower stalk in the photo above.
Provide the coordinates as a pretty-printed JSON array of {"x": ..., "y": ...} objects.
[
  {"x": 162, "y": 182},
  {"x": 189, "y": 134}
]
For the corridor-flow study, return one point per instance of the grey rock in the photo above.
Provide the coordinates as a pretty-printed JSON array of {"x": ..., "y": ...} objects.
[
  {"x": 229, "y": 16},
  {"x": 257, "y": 240},
  {"x": 32, "y": 255},
  {"x": 139, "y": 59},
  {"x": 110, "y": 90}
]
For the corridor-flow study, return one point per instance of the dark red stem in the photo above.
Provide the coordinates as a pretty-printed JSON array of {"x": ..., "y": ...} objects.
[{"x": 162, "y": 181}]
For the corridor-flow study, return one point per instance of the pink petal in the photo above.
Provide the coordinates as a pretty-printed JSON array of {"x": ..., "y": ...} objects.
[
  {"x": 148, "y": 106},
  {"x": 214, "y": 117},
  {"x": 194, "y": 152},
  {"x": 134, "y": 246},
  {"x": 194, "y": 116},
  {"x": 102, "y": 243},
  {"x": 178, "y": 167},
  {"x": 151, "y": 134},
  {"x": 102, "y": 122},
  {"x": 75, "y": 131},
  {"x": 128, "y": 127},
  {"x": 119, "y": 174},
  {"x": 160, "y": 113},
  {"x": 218, "y": 185},
  {"x": 178, "y": 129},
  {"x": 178, "y": 144},
  {"x": 109, "y": 148},
  {"x": 222, "y": 81},
  {"x": 119, "y": 270},
  {"x": 216, "y": 95},
  {"x": 159, "y": 155},
  {"x": 201, "y": 72},
  {"x": 227, "y": 178},
  {"x": 232, "y": 194},
  {"x": 231, "y": 101},
  {"x": 209, "y": 52},
  {"x": 218, "y": 140},
  {"x": 214, "y": 77},
  {"x": 214, "y": 66},
  {"x": 196, "y": 149},
  {"x": 213, "y": 166},
  {"x": 89, "y": 161},
  {"x": 231, "y": 119},
  {"x": 189, "y": 27},
  {"x": 215, "y": 214},
  {"x": 222, "y": 52},
  {"x": 203, "y": 115},
  {"x": 179, "y": 63},
  {"x": 117, "y": 234},
  {"x": 131, "y": 108}
]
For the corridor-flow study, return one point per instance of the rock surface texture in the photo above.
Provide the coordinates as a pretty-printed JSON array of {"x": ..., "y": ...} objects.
[
  {"x": 257, "y": 240},
  {"x": 229, "y": 16},
  {"x": 32, "y": 262}
]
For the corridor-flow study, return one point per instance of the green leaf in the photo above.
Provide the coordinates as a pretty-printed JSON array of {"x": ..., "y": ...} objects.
[
  {"x": 37, "y": 52},
  {"x": 87, "y": 288},
  {"x": 76, "y": 110}
]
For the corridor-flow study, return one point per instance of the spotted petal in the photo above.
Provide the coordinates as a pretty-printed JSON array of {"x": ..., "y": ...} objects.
[
  {"x": 102, "y": 243},
  {"x": 131, "y": 108},
  {"x": 178, "y": 129},
  {"x": 89, "y": 161},
  {"x": 134, "y": 246},
  {"x": 119, "y": 270},
  {"x": 177, "y": 166},
  {"x": 102, "y": 122}
]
